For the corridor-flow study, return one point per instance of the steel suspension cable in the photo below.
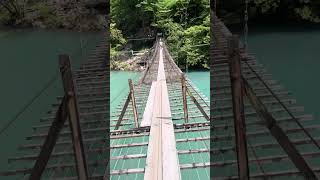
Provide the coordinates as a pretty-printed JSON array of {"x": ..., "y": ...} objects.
[
  {"x": 178, "y": 73},
  {"x": 29, "y": 103},
  {"x": 255, "y": 155},
  {"x": 258, "y": 160},
  {"x": 215, "y": 7},
  {"x": 200, "y": 133},
  {"x": 38, "y": 94},
  {"x": 141, "y": 148},
  {"x": 246, "y": 18},
  {"x": 122, "y": 90}
]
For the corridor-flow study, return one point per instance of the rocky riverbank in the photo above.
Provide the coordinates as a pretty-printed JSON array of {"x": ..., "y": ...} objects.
[
  {"x": 51, "y": 15},
  {"x": 132, "y": 62}
]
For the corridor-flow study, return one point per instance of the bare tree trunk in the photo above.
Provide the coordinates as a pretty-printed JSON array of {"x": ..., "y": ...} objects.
[{"x": 3, "y": 4}]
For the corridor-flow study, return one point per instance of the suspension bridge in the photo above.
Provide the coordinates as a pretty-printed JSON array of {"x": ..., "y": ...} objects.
[
  {"x": 163, "y": 111},
  {"x": 165, "y": 128},
  {"x": 258, "y": 130},
  {"x": 171, "y": 128}
]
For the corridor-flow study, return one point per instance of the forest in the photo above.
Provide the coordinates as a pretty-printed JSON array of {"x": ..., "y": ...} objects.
[
  {"x": 283, "y": 11},
  {"x": 50, "y": 14},
  {"x": 185, "y": 23}
]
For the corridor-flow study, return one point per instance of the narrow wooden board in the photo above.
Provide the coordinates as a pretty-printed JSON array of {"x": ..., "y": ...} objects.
[
  {"x": 148, "y": 111},
  {"x": 162, "y": 158}
]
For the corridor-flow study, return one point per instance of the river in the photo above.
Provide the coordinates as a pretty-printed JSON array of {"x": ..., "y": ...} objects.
[
  {"x": 29, "y": 60},
  {"x": 119, "y": 84},
  {"x": 291, "y": 54}
]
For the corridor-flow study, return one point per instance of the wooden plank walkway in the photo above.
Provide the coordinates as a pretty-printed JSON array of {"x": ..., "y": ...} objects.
[
  {"x": 147, "y": 115},
  {"x": 267, "y": 159},
  {"x": 138, "y": 142},
  {"x": 165, "y": 145},
  {"x": 61, "y": 164},
  {"x": 162, "y": 159},
  {"x": 128, "y": 145}
]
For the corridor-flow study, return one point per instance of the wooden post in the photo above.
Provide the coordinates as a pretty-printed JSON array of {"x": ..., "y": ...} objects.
[
  {"x": 238, "y": 108},
  {"x": 133, "y": 101},
  {"x": 123, "y": 112},
  {"x": 50, "y": 142},
  {"x": 203, "y": 112},
  {"x": 69, "y": 90},
  {"x": 184, "y": 98}
]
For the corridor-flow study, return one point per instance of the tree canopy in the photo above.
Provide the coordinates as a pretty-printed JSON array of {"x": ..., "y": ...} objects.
[
  {"x": 184, "y": 23},
  {"x": 67, "y": 14},
  {"x": 285, "y": 10}
]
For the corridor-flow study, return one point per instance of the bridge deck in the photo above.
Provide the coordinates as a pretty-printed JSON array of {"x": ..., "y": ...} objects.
[
  {"x": 266, "y": 157},
  {"x": 162, "y": 161},
  {"x": 191, "y": 139},
  {"x": 129, "y": 145},
  {"x": 91, "y": 81}
]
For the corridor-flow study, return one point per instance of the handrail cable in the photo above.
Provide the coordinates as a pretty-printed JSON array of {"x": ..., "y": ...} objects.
[
  {"x": 246, "y": 18},
  {"x": 281, "y": 103},
  {"x": 187, "y": 81},
  {"x": 34, "y": 98},
  {"x": 27, "y": 105}
]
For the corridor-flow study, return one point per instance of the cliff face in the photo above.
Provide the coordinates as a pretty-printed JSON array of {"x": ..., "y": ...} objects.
[
  {"x": 77, "y": 16},
  {"x": 66, "y": 14}
]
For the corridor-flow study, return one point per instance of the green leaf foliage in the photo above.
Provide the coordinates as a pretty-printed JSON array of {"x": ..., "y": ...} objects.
[{"x": 184, "y": 23}]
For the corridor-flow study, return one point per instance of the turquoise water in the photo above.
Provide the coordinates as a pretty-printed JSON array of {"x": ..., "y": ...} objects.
[
  {"x": 29, "y": 59},
  {"x": 119, "y": 84},
  {"x": 28, "y": 62},
  {"x": 291, "y": 55},
  {"x": 201, "y": 79}
]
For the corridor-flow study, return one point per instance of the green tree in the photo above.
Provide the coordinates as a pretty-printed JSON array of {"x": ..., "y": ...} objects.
[
  {"x": 117, "y": 42},
  {"x": 184, "y": 23},
  {"x": 129, "y": 16}
]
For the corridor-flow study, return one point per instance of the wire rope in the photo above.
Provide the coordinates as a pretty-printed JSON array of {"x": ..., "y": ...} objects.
[
  {"x": 246, "y": 25},
  {"x": 284, "y": 107}
]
